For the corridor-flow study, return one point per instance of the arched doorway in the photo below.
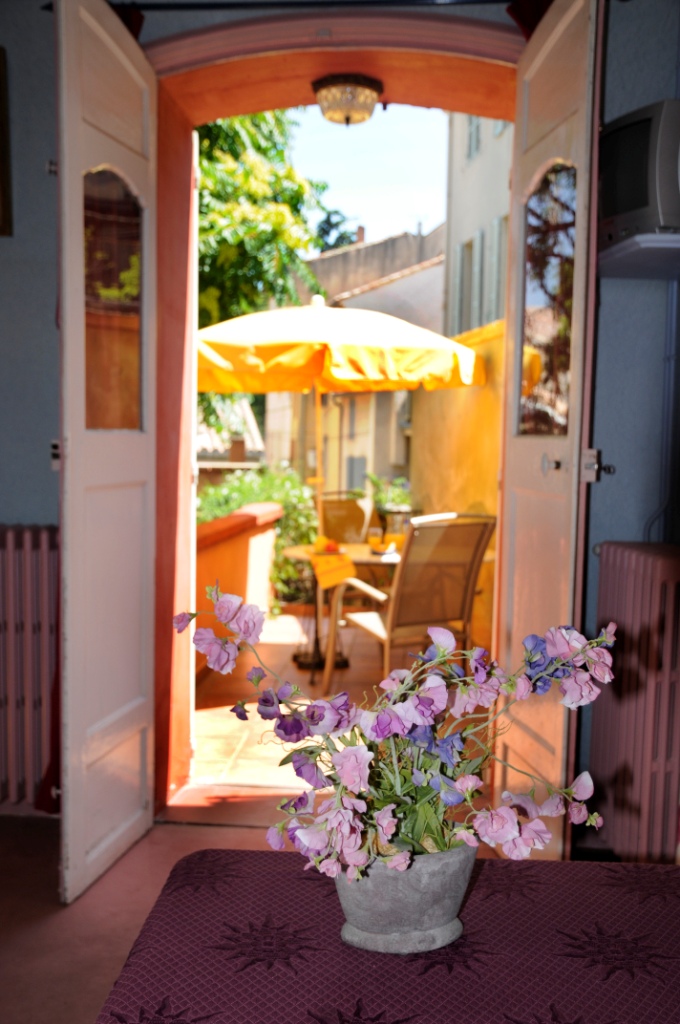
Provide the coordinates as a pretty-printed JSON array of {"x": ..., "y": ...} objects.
[{"x": 423, "y": 60}]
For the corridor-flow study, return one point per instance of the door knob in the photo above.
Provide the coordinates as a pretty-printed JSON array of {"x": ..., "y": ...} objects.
[{"x": 547, "y": 464}]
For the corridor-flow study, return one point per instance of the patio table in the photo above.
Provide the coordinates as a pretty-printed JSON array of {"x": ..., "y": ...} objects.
[{"x": 239, "y": 937}]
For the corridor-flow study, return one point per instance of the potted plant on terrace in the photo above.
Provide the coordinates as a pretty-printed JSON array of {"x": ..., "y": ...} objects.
[{"x": 394, "y": 808}]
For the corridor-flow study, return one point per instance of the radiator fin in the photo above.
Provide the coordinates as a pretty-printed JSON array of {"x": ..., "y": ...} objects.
[
  {"x": 635, "y": 746},
  {"x": 29, "y": 574}
]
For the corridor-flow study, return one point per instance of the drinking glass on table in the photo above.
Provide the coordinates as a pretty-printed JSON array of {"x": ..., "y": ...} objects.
[{"x": 375, "y": 537}]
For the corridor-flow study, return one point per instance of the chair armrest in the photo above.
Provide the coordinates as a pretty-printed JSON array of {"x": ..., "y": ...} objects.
[{"x": 365, "y": 588}]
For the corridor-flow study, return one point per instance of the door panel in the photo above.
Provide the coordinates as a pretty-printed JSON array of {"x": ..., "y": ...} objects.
[
  {"x": 107, "y": 114},
  {"x": 541, "y": 448}
]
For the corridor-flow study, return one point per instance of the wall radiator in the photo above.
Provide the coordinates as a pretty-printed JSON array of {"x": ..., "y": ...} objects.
[
  {"x": 635, "y": 746},
  {"x": 28, "y": 655}
]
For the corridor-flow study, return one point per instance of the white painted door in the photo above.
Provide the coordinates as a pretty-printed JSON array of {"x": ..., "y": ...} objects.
[
  {"x": 107, "y": 174},
  {"x": 547, "y": 301}
]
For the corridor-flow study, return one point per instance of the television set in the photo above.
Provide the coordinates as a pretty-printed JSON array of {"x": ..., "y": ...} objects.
[{"x": 639, "y": 174}]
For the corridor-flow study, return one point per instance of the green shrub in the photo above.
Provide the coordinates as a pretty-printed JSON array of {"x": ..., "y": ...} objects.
[{"x": 291, "y": 580}]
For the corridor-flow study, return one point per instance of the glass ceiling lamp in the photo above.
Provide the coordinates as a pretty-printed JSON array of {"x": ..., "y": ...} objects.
[{"x": 347, "y": 99}]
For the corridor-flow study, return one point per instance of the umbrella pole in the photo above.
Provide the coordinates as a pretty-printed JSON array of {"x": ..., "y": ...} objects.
[{"x": 319, "y": 479}]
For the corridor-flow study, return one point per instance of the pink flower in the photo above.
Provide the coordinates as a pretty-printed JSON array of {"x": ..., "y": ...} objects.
[
  {"x": 578, "y": 690},
  {"x": 351, "y": 764},
  {"x": 552, "y": 807},
  {"x": 563, "y": 642},
  {"x": 378, "y": 725},
  {"x": 522, "y": 687},
  {"x": 443, "y": 639},
  {"x": 467, "y": 784},
  {"x": 528, "y": 806},
  {"x": 497, "y": 826},
  {"x": 247, "y": 623},
  {"x": 394, "y": 679},
  {"x": 517, "y": 849},
  {"x": 578, "y": 813},
  {"x": 226, "y": 607},
  {"x": 598, "y": 820},
  {"x": 582, "y": 787},
  {"x": 467, "y": 698},
  {"x": 331, "y": 867},
  {"x": 460, "y": 832},
  {"x": 399, "y": 862},
  {"x": 221, "y": 653},
  {"x": 537, "y": 833},
  {"x": 312, "y": 840},
  {"x": 609, "y": 633},
  {"x": 181, "y": 621},
  {"x": 386, "y": 822}
]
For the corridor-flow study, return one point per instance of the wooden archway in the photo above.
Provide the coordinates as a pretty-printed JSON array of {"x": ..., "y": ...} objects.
[{"x": 427, "y": 59}]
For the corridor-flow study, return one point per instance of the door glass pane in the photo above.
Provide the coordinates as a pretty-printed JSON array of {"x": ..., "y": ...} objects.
[
  {"x": 113, "y": 237},
  {"x": 548, "y": 291}
]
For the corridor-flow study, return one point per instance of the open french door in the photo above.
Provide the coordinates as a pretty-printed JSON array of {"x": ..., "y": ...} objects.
[
  {"x": 107, "y": 173},
  {"x": 547, "y": 317}
]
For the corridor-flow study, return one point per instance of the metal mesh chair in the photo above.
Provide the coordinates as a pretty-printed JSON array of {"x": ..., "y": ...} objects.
[{"x": 434, "y": 585}]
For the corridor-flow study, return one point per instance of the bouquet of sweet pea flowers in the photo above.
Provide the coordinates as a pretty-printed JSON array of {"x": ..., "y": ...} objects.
[{"x": 404, "y": 776}]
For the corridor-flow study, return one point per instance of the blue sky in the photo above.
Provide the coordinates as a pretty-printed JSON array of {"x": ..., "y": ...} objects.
[{"x": 386, "y": 174}]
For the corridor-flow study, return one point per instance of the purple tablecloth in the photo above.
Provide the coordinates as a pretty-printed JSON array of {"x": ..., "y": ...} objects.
[{"x": 251, "y": 938}]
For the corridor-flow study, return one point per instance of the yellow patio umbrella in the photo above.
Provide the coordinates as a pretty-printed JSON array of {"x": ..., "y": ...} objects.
[{"x": 329, "y": 349}]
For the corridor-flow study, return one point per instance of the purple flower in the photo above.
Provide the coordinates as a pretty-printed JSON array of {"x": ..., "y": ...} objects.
[
  {"x": 348, "y": 712},
  {"x": 449, "y": 747},
  {"x": 305, "y": 767},
  {"x": 247, "y": 623},
  {"x": 268, "y": 704},
  {"x": 535, "y": 655},
  {"x": 256, "y": 675},
  {"x": 352, "y": 765},
  {"x": 221, "y": 654},
  {"x": 322, "y": 717},
  {"x": 478, "y": 664},
  {"x": 275, "y": 839},
  {"x": 394, "y": 679},
  {"x": 419, "y": 778},
  {"x": 448, "y": 794},
  {"x": 422, "y": 736},
  {"x": 226, "y": 607},
  {"x": 285, "y": 691},
  {"x": 181, "y": 621},
  {"x": 291, "y": 728},
  {"x": 443, "y": 639},
  {"x": 379, "y": 725},
  {"x": 240, "y": 711},
  {"x": 302, "y": 804},
  {"x": 435, "y": 689}
]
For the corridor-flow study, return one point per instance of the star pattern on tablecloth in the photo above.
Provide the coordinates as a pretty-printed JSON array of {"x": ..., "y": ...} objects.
[
  {"x": 466, "y": 954},
  {"x": 359, "y": 1016},
  {"x": 643, "y": 881},
  {"x": 519, "y": 880},
  {"x": 267, "y": 943},
  {"x": 163, "y": 1015},
  {"x": 555, "y": 1018},
  {"x": 202, "y": 870},
  {"x": 616, "y": 952}
]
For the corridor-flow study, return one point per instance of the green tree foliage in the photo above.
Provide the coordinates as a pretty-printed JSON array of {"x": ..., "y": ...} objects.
[
  {"x": 332, "y": 231},
  {"x": 254, "y": 210}
]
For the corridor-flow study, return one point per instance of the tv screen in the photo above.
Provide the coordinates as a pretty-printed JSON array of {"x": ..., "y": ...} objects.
[{"x": 624, "y": 157}]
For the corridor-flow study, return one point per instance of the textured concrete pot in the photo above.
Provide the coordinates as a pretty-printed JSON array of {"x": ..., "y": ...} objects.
[{"x": 407, "y": 911}]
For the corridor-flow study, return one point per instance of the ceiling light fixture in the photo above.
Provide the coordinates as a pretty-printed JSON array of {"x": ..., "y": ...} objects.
[{"x": 347, "y": 99}]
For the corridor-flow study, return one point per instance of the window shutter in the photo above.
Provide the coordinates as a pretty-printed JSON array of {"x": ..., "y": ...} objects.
[
  {"x": 459, "y": 297},
  {"x": 494, "y": 289}
]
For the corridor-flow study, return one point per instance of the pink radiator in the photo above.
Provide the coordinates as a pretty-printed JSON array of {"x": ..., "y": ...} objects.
[
  {"x": 28, "y": 645},
  {"x": 635, "y": 746}
]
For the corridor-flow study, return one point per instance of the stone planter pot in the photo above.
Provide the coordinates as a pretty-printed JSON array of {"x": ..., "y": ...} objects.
[{"x": 407, "y": 911}]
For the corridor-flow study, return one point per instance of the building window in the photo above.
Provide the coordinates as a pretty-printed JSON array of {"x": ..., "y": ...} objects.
[
  {"x": 474, "y": 130},
  {"x": 498, "y": 262}
]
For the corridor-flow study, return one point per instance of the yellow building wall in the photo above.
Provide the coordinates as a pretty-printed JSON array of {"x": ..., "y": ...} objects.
[{"x": 456, "y": 450}]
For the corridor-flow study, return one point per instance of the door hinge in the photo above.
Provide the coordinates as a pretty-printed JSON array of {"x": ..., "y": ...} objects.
[{"x": 592, "y": 466}]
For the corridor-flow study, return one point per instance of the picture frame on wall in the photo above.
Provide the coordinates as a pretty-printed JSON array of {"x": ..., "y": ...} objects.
[{"x": 5, "y": 165}]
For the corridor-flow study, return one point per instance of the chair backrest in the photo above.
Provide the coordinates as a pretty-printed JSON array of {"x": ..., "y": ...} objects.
[
  {"x": 434, "y": 584},
  {"x": 346, "y": 519}
]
